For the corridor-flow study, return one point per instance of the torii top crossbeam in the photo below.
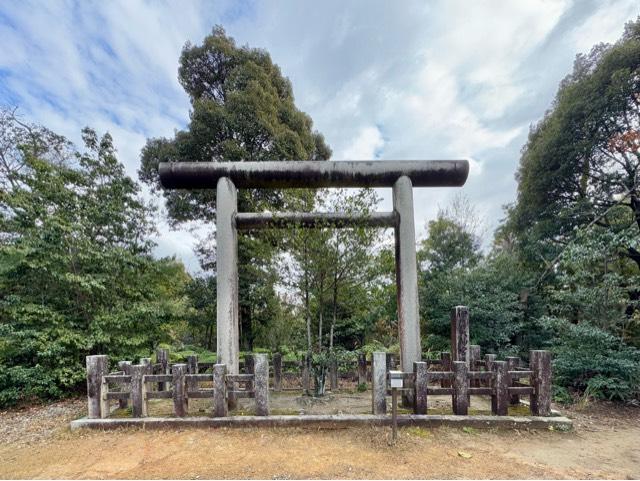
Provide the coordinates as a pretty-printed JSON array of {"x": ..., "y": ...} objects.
[{"x": 314, "y": 174}]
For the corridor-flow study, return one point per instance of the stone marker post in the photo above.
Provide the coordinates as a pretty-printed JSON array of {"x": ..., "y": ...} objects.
[
  {"x": 261, "y": 384},
  {"x": 460, "y": 396},
  {"x": 489, "y": 361},
  {"x": 540, "y": 363},
  {"x": 421, "y": 380},
  {"x": 501, "y": 389},
  {"x": 138, "y": 390},
  {"x": 124, "y": 366},
  {"x": 460, "y": 334},
  {"x": 162, "y": 358},
  {"x": 179, "y": 395},
  {"x": 362, "y": 368},
  {"x": 220, "y": 408},
  {"x": 98, "y": 406},
  {"x": 379, "y": 383},
  {"x": 277, "y": 371}
]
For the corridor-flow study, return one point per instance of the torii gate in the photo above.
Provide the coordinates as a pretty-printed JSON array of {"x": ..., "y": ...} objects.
[{"x": 401, "y": 176}]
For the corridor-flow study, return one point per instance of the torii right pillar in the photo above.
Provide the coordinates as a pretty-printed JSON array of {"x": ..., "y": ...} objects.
[{"x": 406, "y": 279}]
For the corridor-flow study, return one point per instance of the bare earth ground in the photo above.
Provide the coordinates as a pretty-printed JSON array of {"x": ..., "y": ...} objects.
[{"x": 37, "y": 443}]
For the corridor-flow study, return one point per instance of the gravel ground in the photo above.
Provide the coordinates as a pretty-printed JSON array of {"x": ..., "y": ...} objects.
[{"x": 32, "y": 424}]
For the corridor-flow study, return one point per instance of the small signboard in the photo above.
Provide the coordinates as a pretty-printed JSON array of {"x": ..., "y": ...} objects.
[{"x": 396, "y": 379}]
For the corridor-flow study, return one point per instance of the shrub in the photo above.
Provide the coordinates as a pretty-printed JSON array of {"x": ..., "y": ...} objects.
[{"x": 591, "y": 361}]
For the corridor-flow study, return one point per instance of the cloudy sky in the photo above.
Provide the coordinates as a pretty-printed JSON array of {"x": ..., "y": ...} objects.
[{"x": 381, "y": 79}]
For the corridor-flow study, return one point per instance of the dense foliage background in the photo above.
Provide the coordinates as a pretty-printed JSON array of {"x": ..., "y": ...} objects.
[{"x": 77, "y": 275}]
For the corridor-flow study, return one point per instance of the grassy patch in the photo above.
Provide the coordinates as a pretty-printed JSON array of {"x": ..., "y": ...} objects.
[{"x": 418, "y": 432}]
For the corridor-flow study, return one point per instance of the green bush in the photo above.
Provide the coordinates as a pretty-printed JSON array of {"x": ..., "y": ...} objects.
[{"x": 589, "y": 360}]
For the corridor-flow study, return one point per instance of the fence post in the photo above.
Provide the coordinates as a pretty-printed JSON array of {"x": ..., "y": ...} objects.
[
  {"x": 540, "y": 363},
  {"x": 277, "y": 371},
  {"x": 179, "y": 398},
  {"x": 162, "y": 357},
  {"x": 124, "y": 367},
  {"x": 333, "y": 374},
  {"x": 512, "y": 364},
  {"x": 460, "y": 395},
  {"x": 220, "y": 408},
  {"x": 460, "y": 334},
  {"x": 445, "y": 365},
  {"x": 501, "y": 389},
  {"x": 306, "y": 384},
  {"x": 474, "y": 357},
  {"x": 362, "y": 368},
  {"x": 138, "y": 390},
  {"x": 261, "y": 383},
  {"x": 420, "y": 388},
  {"x": 379, "y": 382},
  {"x": 192, "y": 368},
  {"x": 98, "y": 406},
  {"x": 249, "y": 361}
]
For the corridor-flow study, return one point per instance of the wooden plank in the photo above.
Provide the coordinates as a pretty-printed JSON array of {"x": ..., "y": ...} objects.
[
  {"x": 480, "y": 391},
  {"x": 199, "y": 377},
  {"x": 201, "y": 394},
  {"x": 439, "y": 391},
  {"x": 118, "y": 395},
  {"x": 119, "y": 379},
  {"x": 521, "y": 390},
  {"x": 158, "y": 378},
  {"x": 440, "y": 375},
  {"x": 159, "y": 394},
  {"x": 239, "y": 377}
]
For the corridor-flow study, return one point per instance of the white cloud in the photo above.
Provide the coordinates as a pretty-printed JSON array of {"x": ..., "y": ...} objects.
[{"x": 442, "y": 79}]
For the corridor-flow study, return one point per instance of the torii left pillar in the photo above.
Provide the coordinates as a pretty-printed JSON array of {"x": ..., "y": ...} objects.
[
  {"x": 406, "y": 280},
  {"x": 228, "y": 342}
]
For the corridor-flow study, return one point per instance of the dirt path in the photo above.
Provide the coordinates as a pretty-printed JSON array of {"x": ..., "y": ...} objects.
[{"x": 605, "y": 444}]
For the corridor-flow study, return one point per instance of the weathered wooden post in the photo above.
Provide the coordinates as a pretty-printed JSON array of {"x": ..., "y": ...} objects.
[
  {"x": 540, "y": 363},
  {"x": 333, "y": 374},
  {"x": 162, "y": 358},
  {"x": 379, "y": 383},
  {"x": 474, "y": 358},
  {"x": 249, "y": 363},
  {"x": 261, "y": 384},
  {"x": 220, "y": 408},
  {"x": 306, "y": 378},
  {"x": 501, "y": 389},
  {"x": 362, "y": 368},
  {"x": 98, "y": 406},
  {"x": 513, "y": 363},
  {"x": 138, "y": 390},
  {"x": 277, "y": 371},
  {"x": 420, "y": 387},
  {"x": 460, "y": 334},
  {"x": 124, "y": 366},
  {"x": 192, "y": 368},
  {"x": 489, "y": 361},
  {"x": 460, "y": 395},
  {"x": 179, "y": 396},
  {"x": 445, "y": 365},
  {"x": 391, "y": 361}
]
